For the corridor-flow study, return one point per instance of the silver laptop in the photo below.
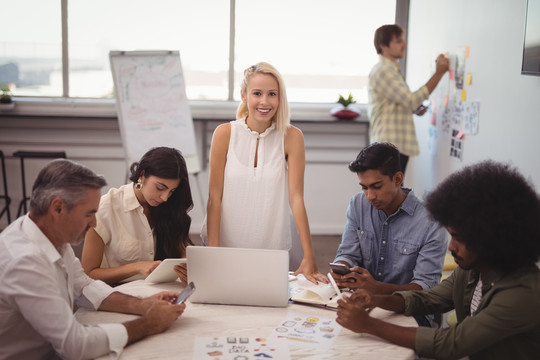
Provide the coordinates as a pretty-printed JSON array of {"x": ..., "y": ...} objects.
[{"x": 238, "y": 276}]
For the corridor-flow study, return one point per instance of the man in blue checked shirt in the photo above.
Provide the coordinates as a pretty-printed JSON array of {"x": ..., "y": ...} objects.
[{"x": 390, "y": 243}]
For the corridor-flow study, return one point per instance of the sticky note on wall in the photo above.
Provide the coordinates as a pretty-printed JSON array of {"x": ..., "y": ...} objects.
[{"x": 468, "y": 80}]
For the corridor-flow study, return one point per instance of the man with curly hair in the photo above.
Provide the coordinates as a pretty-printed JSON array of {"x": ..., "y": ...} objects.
[{"x": 492, "y": 214}]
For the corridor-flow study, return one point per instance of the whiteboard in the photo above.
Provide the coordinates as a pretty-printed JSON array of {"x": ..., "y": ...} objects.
[{"x": 153, "y": 109}]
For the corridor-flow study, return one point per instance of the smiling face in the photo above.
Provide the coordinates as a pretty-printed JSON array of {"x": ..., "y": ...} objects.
[
  {"x": 155, "y": 190},
  {"x": 395, "y": 49},
  {"x": 382, "y": 192},
  {"x": 262, "y": 100}
]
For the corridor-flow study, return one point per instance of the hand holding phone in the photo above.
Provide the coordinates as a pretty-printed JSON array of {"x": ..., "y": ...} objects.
[
  {"x": 189, "y": 289},
  {"x": 339, "y": 268},
  {"x": 423, "y": 108}
]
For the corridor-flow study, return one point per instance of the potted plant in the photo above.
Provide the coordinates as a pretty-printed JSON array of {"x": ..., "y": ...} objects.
[
  {"x": 6, "y": 101},
  {"x": 346, "y": 108}
]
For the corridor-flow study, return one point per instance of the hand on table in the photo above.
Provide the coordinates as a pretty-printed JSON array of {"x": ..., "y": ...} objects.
[
  {"x": 309, "y": 269},
  {"x": 161, "y": 315},
  {"x": 352, "y": 311}
]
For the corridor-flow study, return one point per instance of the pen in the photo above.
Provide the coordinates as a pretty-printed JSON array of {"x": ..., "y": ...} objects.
[{"x": 333, "y": 282}]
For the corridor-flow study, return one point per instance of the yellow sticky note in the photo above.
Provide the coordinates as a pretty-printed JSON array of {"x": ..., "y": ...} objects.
[
  {"x": 463, "y": 95},
  {"x": 445, "y": 101},
  {"x": 467, "y": 50},
  {"x": 468, "y": 81}
]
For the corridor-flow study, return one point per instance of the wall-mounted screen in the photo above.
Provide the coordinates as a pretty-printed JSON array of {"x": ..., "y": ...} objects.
[{"x": 531, "y": 45}]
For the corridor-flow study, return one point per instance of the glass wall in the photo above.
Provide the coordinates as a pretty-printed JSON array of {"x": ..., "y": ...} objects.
[{"x": 322, "y": 48}]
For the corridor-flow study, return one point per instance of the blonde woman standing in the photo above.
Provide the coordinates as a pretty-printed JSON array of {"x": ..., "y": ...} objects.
[{"x": 257, "y": 167}]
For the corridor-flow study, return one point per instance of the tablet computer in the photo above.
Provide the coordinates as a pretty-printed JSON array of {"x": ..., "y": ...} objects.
[{"x": 164, "y": 272}]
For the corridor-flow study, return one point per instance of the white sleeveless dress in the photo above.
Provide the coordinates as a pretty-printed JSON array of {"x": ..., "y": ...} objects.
[{"x": 255, "y": 210}]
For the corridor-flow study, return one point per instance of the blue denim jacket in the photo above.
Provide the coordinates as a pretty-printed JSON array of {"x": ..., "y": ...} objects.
[{"x": 405, "y": 247}]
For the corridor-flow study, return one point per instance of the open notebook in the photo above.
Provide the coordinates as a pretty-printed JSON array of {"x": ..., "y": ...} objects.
[
  {"x": 238, "y": 276},
  {"x": 325, "y": 295}
]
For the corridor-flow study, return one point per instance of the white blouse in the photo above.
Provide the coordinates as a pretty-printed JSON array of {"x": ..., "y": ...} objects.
[
  {"x": 124, "y": 228},
  {"x": 255, "y": 209}
]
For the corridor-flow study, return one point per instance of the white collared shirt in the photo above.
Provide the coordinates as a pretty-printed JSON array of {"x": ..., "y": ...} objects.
[
  {"x": 38, "y": 287},
  {"x": 124, "y": 228}
]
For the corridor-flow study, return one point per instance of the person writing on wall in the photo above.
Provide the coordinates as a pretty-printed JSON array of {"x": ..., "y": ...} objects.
[
  {"x": 142, "y": 223},
  {"x": 41, "y": 280},
  {"x": 257, "y": 174},
  {"x": 390, "y": 102},
  {"x": 491, "y": 213}
]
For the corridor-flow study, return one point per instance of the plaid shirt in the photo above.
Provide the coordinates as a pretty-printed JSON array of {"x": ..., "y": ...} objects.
[{"x": 391, "y": 105}]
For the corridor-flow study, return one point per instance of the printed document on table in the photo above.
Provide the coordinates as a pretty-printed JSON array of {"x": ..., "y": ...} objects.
[
  {"x": 244, "y": 348},
  {"x": 307, "y": 331}
]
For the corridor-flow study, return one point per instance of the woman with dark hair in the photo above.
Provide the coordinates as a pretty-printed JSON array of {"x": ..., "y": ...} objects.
[{"x": 142, "y": 223}]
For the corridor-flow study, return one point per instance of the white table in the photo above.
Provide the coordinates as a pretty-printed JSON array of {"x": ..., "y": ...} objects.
[{"x": 227, "y": 320}]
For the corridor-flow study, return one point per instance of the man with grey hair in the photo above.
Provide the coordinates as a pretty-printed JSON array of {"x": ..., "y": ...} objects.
[{"x": 41, "y": 279}]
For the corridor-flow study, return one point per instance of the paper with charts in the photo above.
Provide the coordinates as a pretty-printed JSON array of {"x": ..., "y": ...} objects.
[
  {"x": 307, "y": 331},
  {"x": 240, "y": 348}
]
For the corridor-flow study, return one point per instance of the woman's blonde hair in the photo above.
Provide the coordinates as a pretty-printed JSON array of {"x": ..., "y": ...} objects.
[{"x": 282, "y": 117}]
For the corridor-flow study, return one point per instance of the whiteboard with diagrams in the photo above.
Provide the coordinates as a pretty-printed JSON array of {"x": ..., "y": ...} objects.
[{"x": 153, "y": 109}]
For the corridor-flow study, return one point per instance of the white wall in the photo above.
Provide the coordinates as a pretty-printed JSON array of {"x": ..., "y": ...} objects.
[
  {"x": 96, "y": 143},
  {"x": 509, "y": 102}
]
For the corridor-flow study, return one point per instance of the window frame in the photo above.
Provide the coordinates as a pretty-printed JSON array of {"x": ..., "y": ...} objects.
[{"x": 66, "y": 106}]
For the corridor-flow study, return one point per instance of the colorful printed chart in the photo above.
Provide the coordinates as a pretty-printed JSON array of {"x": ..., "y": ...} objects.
[
  {"x": 240, "y": 348},
  {"x": 307, "y": 331}
]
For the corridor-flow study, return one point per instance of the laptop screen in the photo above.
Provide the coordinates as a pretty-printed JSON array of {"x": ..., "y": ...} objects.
[{"x": 238, "y": 276}]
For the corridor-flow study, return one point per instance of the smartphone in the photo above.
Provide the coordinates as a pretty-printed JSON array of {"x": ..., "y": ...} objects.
[
  {"x": 190, "y": 288},
  {"x": 340, "y": 269},
  {"x": 424, "y": 106}
]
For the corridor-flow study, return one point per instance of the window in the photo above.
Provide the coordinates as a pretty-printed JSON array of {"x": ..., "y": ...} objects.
[
  {"x": 198, "y": 29},
  {"x": 322, "y": 48},
  {"x": 31, "y": 47}
]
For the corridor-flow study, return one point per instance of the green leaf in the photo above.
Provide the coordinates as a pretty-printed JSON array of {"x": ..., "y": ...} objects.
[{"x": 346, "y": 102}]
